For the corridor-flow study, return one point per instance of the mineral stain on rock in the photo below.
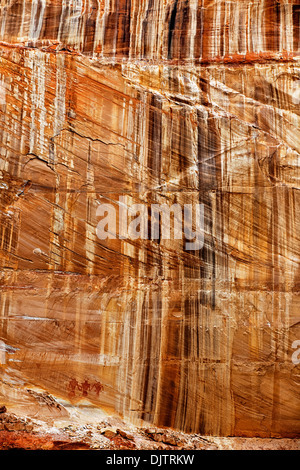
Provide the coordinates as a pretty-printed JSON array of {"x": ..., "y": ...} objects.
[{"x": 175, "y": 102}]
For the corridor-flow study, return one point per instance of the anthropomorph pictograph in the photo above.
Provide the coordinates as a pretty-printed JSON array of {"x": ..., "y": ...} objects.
[{"x": 84, "y": 389}]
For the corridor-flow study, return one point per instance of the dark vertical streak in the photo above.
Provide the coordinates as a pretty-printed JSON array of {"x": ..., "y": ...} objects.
[{"x": 171, "y": 29}]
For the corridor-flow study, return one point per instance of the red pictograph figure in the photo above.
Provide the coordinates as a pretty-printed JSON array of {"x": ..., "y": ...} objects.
[
  {"x": 73, "y": 384},
  {"x": 98, "y": 387},
  {"x": 85, "y": 387}
]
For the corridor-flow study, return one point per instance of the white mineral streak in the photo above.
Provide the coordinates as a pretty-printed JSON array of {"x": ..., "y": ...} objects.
[
  {"x": 286, "y": 31},
  {"x": 2, "y": 92},
  {"x": 139, "y": 144},
  {"x": 137, "y": 28},
  {"x": 70, "y": 23},
  {"x": 3, "y": 22},
  {"x": 217, "y": 23},
  {"x": 36, "y": 19},
  {"x": 60, "y": 95},
  {"x": 38, "y": 65},
  {"x": 21, "y": 32},
  {"x": 99, "y": 30},
  {"x": 90, "y": 235},
  {"x": 2, "y": 353}
]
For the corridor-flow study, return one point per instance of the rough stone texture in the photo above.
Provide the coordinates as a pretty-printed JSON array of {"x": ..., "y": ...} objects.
[
  {"x": 160, "y": 101},
  {"x": 86, "y": 433}
]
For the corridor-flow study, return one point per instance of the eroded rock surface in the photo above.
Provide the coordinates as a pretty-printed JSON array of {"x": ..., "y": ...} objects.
[
  {"x": 115, "y": 434},
  {"x": 159, "y": 102}
]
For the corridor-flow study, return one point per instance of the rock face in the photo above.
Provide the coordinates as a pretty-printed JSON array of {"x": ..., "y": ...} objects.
[{"x": 157, "y": 101}]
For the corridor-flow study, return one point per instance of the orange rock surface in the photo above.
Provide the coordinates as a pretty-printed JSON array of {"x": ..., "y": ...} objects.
[{"x": 158, "y": 101}]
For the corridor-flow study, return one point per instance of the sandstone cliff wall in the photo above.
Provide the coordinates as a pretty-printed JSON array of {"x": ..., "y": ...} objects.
[{"x": 158, "y": 101}]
